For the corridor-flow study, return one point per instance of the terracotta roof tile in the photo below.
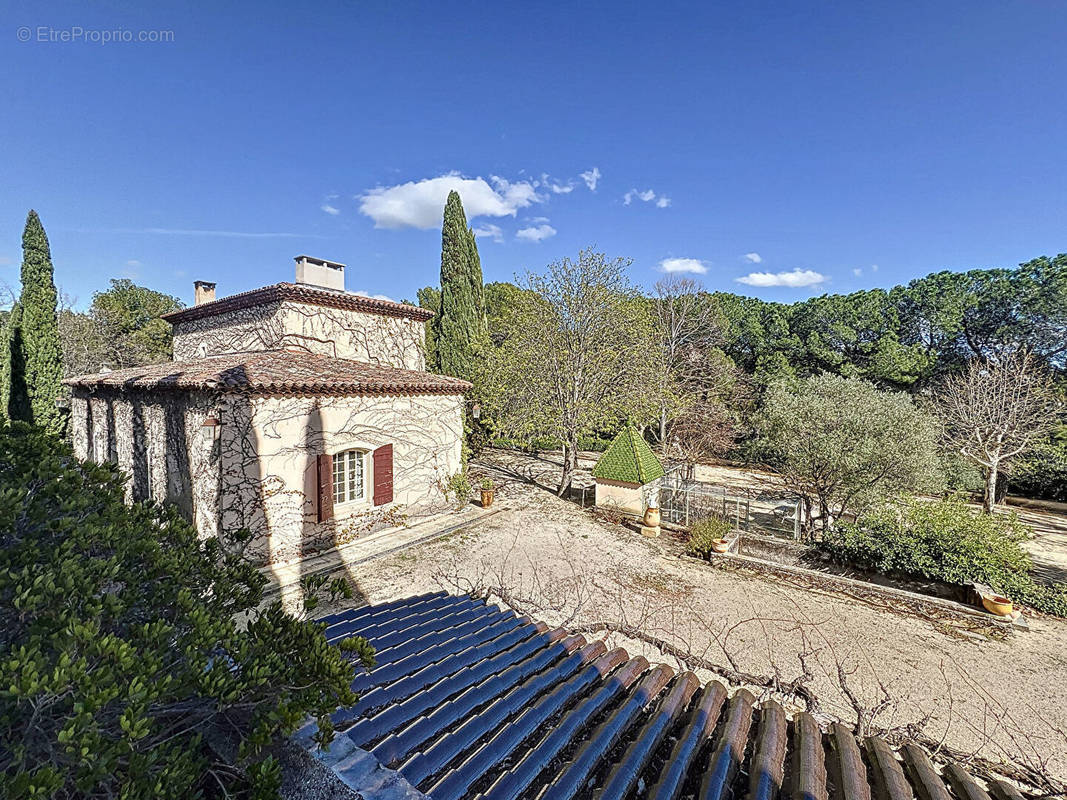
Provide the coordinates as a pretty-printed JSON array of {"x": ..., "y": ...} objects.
[
  {"x": 276, "y": 372},
  {"x": 468, "y": 701},
  {"x": 302, "y": 293}
]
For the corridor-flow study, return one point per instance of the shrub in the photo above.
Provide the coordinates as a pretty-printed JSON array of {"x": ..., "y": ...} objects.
[
  {"x": 458, "y": 489},
  {"x": 704, "y": 532},
  {"x": 594, "y": 444},
  {"x": 119, "y": 649},
  {"x": 947, "y": 541},
  {"x": 487, "y": 484}
]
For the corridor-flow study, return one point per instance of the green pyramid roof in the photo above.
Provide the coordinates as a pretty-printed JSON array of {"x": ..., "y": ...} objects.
[{"x": 628, "y": 459}]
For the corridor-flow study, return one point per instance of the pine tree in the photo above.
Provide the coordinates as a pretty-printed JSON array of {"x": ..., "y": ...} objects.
[
  {"x": 460, "y": 325},
  {"x": 33, "y": 365}
]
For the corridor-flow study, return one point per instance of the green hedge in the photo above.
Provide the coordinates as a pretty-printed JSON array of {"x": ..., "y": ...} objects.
[{"x": 947, "y": 541}]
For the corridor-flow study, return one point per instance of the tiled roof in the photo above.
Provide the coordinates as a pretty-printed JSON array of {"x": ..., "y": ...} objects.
[
  {"x": 276, "y": 372},
  {"x": 299, "y": 292},
  {"x": 628, "y": 459},
  {"x": 468, "y": 701}
]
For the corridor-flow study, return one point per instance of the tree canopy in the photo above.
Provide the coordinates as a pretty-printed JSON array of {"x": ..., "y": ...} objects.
[
  {"x": 460, "y": 324},
  {"x": 577, "y": 357},
  {"x": 120, "y": 648},
  {"x": 33, "y": 361},
  {"x": 842, "y": 444}
]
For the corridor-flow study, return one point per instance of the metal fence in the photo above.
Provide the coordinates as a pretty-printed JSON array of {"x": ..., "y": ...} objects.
[{"x": 683, "y": 502}]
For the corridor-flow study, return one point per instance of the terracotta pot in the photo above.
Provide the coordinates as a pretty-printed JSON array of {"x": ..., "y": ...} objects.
[
  {"x": 652, "y": 517},
  {"x": 487, "y": 497},
  {"x": 720, "y": 545},
  {"x": 997, "y": 604}
]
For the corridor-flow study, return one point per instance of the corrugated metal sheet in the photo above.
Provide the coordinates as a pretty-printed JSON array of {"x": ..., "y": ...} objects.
[{"x": 469, "y": 701}]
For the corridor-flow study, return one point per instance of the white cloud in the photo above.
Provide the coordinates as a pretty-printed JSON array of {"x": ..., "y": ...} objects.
[
  {"x": 755, "y": 258},
  {"x": 133, "y": 262},
  {"x": 419, "y": 204},
  {"x": 5, "y": 261},
  {"x": 794, "y": 278},
  {"x": 362, "y": 293},
  {"x": 537, "y": 233},
  {"x": 694, "y": 265},
  {"x": 647, "y": 196},
  {"x": 556, "y": 187},
  {"x": 490, "y": 231},
  {"x": 591, "y": 178},
  {"x": 333, "y": 211},
  {"x": 874, "y": 267},
  {"x": 857, "y": 272}
]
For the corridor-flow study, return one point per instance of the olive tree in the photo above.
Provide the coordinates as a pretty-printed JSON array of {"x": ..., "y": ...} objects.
[
  {"x": 842, "y": 444},
  {"x": 580, "y": 356}
]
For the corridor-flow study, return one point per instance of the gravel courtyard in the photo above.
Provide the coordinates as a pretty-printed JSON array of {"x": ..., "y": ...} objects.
[{"x": 996, "y": 698}]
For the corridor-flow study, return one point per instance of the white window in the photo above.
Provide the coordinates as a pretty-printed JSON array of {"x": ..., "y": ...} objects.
[{"x": 348, "y": 476}]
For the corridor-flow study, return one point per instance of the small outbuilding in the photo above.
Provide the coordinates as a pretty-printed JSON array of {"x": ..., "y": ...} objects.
[{"x": 626, "y": 472}]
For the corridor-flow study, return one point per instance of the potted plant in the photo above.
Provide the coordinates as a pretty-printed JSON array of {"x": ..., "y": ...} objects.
[
  {"x": 997, "y": 604},
  {"x": 488, "y": 490}
]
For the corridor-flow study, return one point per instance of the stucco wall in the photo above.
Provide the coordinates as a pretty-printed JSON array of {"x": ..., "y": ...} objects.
[
  {"x": 342, "y": 333},
  {"x": 269, "y": 448},
  {"x": 620, "y": 496},
  {"x": 156, "y": 440}
]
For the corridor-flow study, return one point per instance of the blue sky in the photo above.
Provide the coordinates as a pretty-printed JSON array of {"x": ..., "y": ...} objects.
[{"x": 773, "y": 143}]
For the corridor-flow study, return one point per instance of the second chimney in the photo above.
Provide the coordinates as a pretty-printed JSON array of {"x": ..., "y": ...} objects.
[
  {"x": 203, "y": 292},
  {"x": 320, "y": 272}
]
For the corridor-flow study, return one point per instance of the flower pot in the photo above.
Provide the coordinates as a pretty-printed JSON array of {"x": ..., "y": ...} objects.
[
  {"x": 720, "y": 545},
  {"x": 652, "y": 517},
  {"x": 997, "y": 604},
  {"x": 487, "y": 497}
]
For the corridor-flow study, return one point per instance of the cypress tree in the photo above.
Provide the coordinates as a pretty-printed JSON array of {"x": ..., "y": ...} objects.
[
  {"x": 33, "y": 365},
  {"x": 459, "y": 326}
]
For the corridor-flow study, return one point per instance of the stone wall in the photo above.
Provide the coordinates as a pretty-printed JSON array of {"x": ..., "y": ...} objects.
[
  {"x": 341, "y": 333},
  {"x": 157, "y": 440},
  {"x": 263, "y": 461}
]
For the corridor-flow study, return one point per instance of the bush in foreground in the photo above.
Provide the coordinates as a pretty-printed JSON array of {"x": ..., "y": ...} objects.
[
  {"x": 947, "y": 541},
  {"x": 119, "y": 650}
]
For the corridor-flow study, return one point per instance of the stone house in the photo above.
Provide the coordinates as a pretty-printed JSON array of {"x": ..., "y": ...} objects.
[{"x": 299, "y": 412}]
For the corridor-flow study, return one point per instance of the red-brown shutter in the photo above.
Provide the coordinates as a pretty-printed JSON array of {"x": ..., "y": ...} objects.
[
  {"x": 383, "y": 475},
  {"x": 325, "y": 472}
]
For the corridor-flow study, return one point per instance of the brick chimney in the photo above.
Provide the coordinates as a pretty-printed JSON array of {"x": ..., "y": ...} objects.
[
  {"x": 203, "y": 292},
  {"x": 319, "y": 272}
]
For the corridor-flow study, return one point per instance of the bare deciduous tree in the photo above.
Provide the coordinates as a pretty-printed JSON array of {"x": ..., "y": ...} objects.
[
  {"x": 581, "y": 355},
  {"x": 995, "y": 411},
  {"x": 687, "y": 326},
  {"x": 703, "y": 432}
]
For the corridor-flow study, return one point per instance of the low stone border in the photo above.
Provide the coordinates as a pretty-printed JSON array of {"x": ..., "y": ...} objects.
[{"x": 862, "y": 590}]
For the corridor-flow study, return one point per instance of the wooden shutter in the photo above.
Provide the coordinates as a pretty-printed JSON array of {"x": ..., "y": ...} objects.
[
  {"x": 325, "y": 473},
  {"x": 383, "y": 475}
]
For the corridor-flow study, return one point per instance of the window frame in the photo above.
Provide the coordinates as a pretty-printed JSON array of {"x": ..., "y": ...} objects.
[{"x": 345, "y": 457}]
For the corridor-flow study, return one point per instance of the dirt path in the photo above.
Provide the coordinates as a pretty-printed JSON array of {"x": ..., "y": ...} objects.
[{"x": 1002, "y": 698}]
